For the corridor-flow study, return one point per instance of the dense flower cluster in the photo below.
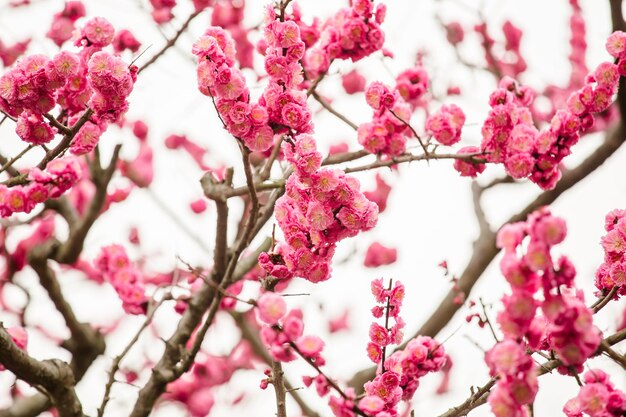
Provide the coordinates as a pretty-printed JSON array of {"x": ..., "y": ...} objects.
[
  {"x": 285, "y": 103},
  {"x": 387, "y": 133},
  {"x": 567, "y": 322},
  {"x": 517, "y": 383},
  {"x": 511, "y": 138},
  {"x": 58, "y": 177},
  {"x": 446, "y": 124},
  {"x": 283, "y": 330},
  {"x": 379, "y": 255},
  {"x": 219, "y": 78},
  {"x": 352, "y": 33},
  {"x": 597, "y": 398},
  {"x": 566, "y": 325},
  {"x": 612, "y": 272},
  {"x": 320, "y": 207},
  {"x": 230, "y": 15},
  {"x": 127, "y": 280}
]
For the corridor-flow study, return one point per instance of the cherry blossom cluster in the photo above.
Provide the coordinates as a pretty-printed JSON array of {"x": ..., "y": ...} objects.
[
  {"x": 320, "y": 207},
  {"x": 220, "y": 79},
  {"x": 446, "y": 124},
  {"x": 58, "y": 177},
  {"x": 285, "y": 103},
  {"x": 352, "y": 33},
  {"x": 517, "y": 379},
  {"x": 195, "y": 389},
  {"x": 10, "y": 53},
  {"x": 390, "y": 301},
  {"x": 612, "y": 272},
  {"x": 510, "y": 137},
  {"x": 597, "y": 398},
  {"x": 63, "y": 22},
  {"x": 19, "y": 337},
  {"x": 229, "y": 15},
  {"x": 388, "y": 131},
  {"x": 284, "y": 330},
  {"x": 566, "y": 325},
  {"x": 36, "y": 84},
  {"x": 379, "y": 255},
  {"x": 127, "y": 280},
  {"x": 398, "y": 375}
]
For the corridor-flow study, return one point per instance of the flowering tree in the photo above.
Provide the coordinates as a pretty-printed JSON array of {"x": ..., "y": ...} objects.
[{"x": 280, "y": 210}]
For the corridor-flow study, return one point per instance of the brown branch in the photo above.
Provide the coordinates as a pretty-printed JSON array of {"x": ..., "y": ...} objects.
[
  {"x": 171, "y": 42},
  {"x": 115, "y": 365},
  {"x": 279, "y": 389},
  {"x": 334, "y": 112},
  {"x": 53, "y": 376}
]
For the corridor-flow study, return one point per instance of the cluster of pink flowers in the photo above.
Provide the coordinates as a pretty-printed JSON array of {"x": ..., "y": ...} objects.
[
  {"x": 283, "y": 330},
  {"x": 399, "y": 374},
  {"x": 566, "y": 326},
  {"x": 62, "y": 26},
  {"x": 597, "y": 398},
  {"x": 468, "y": 168},
  {"x": 32, "y": 83},
  {"x": 195, "y": 389},
  {"x": 284, "y": 101},
  {"x": 320, "y": 207},
  {"x": 229, "y": 15},
  {"x": 112, "y": 81},
  {"x": 517, "y": 383},
  {"x": 510, "y": 137},
  {"x": 10, "y": 53},
  {"x": 391, "y": 303},
  {"x": 352, "y": 33},
  {"x": 388, "y": 131},
  {"x": 379, "y": 255},
  {"x": 127, "y": 280},
  {"x": 19, "y": 337},
  {"x": 446, "y": 124},
  {"x": 219, "y": 78},
  {"x": 58, "y": 177},
  {"x": 612, "y": 272}
]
